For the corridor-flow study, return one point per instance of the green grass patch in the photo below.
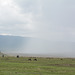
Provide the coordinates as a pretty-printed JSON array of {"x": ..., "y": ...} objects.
[{"x": 43, "y": 66}]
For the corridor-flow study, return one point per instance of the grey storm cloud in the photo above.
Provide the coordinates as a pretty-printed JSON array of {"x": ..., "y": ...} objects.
[
  {"x": 57, "y": 20},
  {"x": 12, "y": 21},
  {"x": 47, "y": 19}
]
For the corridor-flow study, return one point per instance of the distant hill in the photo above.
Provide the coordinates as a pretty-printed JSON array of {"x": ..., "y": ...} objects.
[
  {"x": 12, "y": 43},
  {"x": 17, "y": 44}
]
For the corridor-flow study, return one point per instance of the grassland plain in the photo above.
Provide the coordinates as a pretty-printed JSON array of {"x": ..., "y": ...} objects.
[{"x": 43, "y": 66}]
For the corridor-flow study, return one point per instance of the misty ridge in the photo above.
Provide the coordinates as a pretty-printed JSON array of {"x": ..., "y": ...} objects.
[{"x": 29, "y": 45}]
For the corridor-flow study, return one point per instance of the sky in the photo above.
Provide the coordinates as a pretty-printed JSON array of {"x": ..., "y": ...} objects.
[{"x": 47, "y": 19}]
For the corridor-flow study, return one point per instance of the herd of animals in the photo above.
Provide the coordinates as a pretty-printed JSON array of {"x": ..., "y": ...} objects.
[{"x": 28, "y": 59}]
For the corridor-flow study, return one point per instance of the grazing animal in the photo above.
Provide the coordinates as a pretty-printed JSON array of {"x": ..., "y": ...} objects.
[
  {"x": 29, "y": 59},
  {"x": 35, "y": 59},
  {"x": 61, "y": 59},
  {"x": 17, "y": 56},
  {"x": 2, "y": 55}
]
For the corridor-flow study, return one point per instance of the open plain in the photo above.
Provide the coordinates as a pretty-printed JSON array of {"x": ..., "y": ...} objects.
[{"x": 40, "y": 66}]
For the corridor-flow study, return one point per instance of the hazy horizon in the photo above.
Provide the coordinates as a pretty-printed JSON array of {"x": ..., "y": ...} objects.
[{"x": 35, "y": 47}]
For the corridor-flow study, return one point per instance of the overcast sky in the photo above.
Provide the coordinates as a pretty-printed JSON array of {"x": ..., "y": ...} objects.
[{"x": 47, "y": 19}]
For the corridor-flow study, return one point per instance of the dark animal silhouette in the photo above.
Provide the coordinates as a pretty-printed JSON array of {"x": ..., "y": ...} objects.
[
  {"x": 35, "y": 59},
  {"x": 17, "y": 56},
  {"x": 30, "y": 59},
  {"x": 61, "y": 59},
  {"x": 2, "y": 55}
]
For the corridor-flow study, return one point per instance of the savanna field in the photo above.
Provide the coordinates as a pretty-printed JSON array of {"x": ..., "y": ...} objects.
[{"x": 36, "y": 66}]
